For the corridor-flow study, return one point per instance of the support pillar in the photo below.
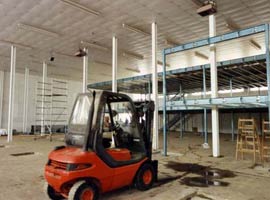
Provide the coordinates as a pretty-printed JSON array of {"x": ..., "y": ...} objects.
[
  {"x": 214, "y": 88},
  {"x": 85, "y": 71},
  {"x": 267, "y": 65},
  {"x": 180, "y": 91},
  {"x": 155, "y": 85},
  {"x": 232, "y": 125},
  {"x": 44, "y": 79},
  {"x": 25, "y": 100},
  {"x": 181, "y": 125},
  {"x": 114, "y": 63},
  {"x": 205, "y": 145},
  {"x": 2, "y": 75},
  {"x": 11, "y": 92}
]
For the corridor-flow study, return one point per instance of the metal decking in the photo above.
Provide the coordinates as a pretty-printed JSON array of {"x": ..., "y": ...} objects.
[{"x": 243, "y": 72}]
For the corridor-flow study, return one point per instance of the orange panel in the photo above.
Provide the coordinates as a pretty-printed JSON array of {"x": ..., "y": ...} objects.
[{"x": 119, "y": 154}]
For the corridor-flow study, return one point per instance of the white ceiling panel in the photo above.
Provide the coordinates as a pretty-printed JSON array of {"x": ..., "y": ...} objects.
[{"x": 176, "y": 19}]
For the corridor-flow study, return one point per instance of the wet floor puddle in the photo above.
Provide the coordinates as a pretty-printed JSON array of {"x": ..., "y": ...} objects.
[
  {"x": 202, "y": 182},
  {"x": 23, "y": 154},
  {"x": 207, "y": 176}
]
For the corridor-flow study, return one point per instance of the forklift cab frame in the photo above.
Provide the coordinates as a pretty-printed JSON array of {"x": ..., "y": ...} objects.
[{"x": 126, "y": 135}]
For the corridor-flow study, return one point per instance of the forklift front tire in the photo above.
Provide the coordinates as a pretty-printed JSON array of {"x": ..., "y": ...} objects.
[
  {"x": 51, "y": 192},
  {"x": 145, "y": 177},
  {"x": 83, "y": 191}
]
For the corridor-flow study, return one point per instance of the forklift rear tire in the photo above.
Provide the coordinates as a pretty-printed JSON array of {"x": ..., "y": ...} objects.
[
  {"x": 145, "y": 177},
  {"x": 83, "y": 191},
  {"x": 51, "y": 192}
]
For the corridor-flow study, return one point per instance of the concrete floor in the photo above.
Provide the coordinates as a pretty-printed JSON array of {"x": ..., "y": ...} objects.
[{"x": 189, "y": 172}]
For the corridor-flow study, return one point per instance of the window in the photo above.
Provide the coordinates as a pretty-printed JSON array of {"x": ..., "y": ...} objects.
[{"x": 120, "y": 134}]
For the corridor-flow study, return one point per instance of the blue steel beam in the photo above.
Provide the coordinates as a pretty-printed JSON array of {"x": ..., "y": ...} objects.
[
  {"x": 216, "y": 39},
  {"x": 267, "y": 66},
  {"x": 164, "y": 105},
  {"x": 230, "y": 102},
  {"x": 147, "y": 77}
]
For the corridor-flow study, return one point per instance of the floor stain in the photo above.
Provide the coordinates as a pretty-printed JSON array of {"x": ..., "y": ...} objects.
[
  {"x": 186, "y": 167},
  {"x": 22, "y": 154},
  {"x": 162, "y": 181}
]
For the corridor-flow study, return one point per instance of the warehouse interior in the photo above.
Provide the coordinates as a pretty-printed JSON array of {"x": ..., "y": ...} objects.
[{"x": 204, "y": 64}]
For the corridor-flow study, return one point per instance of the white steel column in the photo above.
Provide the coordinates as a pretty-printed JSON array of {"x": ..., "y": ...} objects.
[
  {"x": 214, "y": 88},
  {"x": 44, "y": 79},
  {"x": 11, "y": 92},
  {"x": 25, "y": 99},
  {"x": 2, "y": 75},
  {"x": 114, "y": 64},
  {"x": 155, "y": 85},
  {"x": 85, "y": 70}
]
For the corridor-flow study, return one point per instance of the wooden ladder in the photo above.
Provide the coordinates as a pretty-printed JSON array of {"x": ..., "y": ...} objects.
[
  {"x": 248, "y": 140},
  {"x": 265, "y": 140}
]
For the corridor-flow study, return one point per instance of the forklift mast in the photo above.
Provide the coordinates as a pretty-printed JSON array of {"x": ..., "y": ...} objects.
[{"x": 145, "y": 111}]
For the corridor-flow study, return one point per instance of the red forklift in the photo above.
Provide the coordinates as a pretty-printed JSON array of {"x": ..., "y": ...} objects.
[{"x": 108, "y": 146}]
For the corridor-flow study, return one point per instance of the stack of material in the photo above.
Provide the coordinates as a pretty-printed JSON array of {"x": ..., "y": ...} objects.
[
  {"x": 265, "y": 140},
  {"x": 248, "y": 140}
]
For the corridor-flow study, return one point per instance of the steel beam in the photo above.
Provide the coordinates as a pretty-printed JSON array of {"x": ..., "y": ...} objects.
[
  {"x": 231, "y": 87},
  {"x": 181, "y": 125},
  {"x": 25, "y": 100},
  {"x": 11, "y": 93},
  {"x": 164, "y": 106},
  {"x": 114, "y": 63},
  {"x": 216, "y": 39}
]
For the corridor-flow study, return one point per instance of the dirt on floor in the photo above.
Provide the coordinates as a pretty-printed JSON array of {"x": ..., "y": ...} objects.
[{"x": 189, "y": 172}]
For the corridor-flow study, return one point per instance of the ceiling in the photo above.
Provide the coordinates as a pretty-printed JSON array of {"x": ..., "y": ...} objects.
[{"x": 176, "y": 20}]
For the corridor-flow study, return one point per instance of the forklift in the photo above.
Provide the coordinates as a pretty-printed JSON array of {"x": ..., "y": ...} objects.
[{"x": 108, "y": 146}]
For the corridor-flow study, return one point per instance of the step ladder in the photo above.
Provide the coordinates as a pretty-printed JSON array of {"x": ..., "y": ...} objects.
[
  {"x": 248, "y": 140},
  {"x": 265, "y": 141}
]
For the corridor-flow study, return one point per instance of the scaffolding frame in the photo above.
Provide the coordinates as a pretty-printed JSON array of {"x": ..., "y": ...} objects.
[{"x": 51, "y": 106}]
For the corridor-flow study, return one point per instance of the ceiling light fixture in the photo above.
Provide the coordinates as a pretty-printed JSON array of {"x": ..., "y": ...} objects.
[
  {"x": 255, "y": 44},
  {"x": 133, "y": 55},
  {"x": 102, "y": 63},
  {"x": 161, "y": 63},
  {"x": 208, "y": 8},
  {"x": 135, "y": 30},
  {"x": 38, "y": 30},
  {"x": 95, "y": 45},
  {"x": 81, "y": 7},
  {"x": 231, "y": 25},
  {"x": 170, "y": 43},
  {"x": 133, "y": 70},
  {"x": 200, "y": 55},
  {"x": 24, "y": 46}
]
